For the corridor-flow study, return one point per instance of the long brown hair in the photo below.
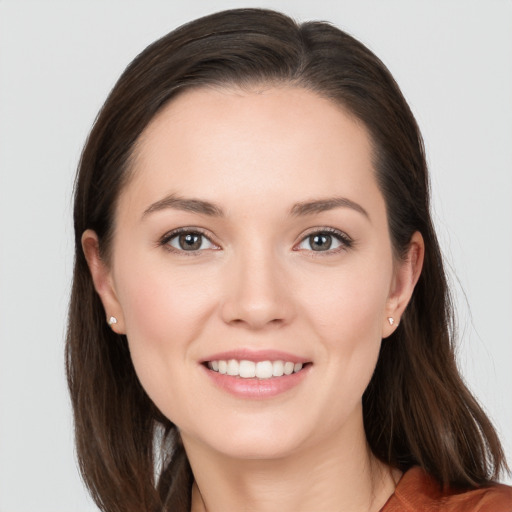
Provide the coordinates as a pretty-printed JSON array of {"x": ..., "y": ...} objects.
[{"x": 417, "y": 410}]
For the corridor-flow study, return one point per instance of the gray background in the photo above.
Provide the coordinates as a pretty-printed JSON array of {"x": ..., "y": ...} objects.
[{"x": 58, "y": 60}]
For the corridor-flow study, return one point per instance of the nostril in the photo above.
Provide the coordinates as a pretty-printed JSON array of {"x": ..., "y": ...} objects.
[{"x": 255, "y": 322}]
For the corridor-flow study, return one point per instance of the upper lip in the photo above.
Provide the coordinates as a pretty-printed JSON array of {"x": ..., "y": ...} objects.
[{"x": 256, "y": 356}]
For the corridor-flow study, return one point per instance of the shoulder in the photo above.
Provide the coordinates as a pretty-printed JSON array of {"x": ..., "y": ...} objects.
[{"x": 419, "y": 492}]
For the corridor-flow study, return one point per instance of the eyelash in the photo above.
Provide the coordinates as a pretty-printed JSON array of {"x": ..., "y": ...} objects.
[
  {"x": 345, "y": 241},
  {"x": 164, "y": 241}
]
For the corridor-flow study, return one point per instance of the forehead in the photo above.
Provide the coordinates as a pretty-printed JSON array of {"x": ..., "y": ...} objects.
[
  {"x": 278, "y": 141},
  {"x": 248, "y": 109}
]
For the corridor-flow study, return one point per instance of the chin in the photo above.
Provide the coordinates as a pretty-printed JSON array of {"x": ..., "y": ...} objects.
[
  {"x": 258, "y": 448},
  {"x": 254, "y": 440}
]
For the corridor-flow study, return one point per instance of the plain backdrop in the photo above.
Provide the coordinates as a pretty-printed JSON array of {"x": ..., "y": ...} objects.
[{"x": 58, "y": 60}]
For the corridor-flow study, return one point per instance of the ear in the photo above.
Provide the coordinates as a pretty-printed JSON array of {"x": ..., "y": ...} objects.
[
  {"x": 102, "y": 279},
  {"x": 407, "y": 273}
]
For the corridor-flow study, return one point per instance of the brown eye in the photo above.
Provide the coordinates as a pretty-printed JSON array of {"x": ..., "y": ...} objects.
[
  {"x": 189, "y": 241},
  {"x": 320, "y": 242},
  {"x": 325, "y": 241}
]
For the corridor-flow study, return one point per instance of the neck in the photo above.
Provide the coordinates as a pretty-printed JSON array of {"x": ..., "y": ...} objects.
[{"x": 344, "y": 477}]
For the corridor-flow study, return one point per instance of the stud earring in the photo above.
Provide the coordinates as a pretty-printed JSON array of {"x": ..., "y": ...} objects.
[
  {"x": 112, "y": 320},
  {"x": 391, "y": 320}
]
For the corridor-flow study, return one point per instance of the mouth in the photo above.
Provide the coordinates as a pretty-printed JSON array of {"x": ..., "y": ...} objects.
[
  {"x": 256, "y": 375},
  {"x": 246, "y": 369}
]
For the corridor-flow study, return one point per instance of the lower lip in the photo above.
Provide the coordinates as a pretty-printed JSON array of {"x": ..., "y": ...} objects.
[{"x": 257, "y": 389}]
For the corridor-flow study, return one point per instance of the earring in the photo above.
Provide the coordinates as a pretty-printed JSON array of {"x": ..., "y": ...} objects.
[
  {"x": 112, "y": 320},
  {"x": 391, "y": 320}
]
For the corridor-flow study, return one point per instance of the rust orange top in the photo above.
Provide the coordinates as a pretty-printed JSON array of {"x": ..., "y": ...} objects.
[{"x": 418, "y": 492}]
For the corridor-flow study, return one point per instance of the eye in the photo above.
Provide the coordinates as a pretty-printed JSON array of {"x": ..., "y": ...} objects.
[
  {"x": 188, "y": 241},
  {"x": 325, "y": 241}
]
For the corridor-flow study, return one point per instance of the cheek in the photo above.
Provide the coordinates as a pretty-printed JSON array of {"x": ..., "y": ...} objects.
[
  {"x": 349, "y": 303},
  {"x": 164, "y": 312},
  {"x": 160, "y": 302},
  {"x": 346, "y": 312}
]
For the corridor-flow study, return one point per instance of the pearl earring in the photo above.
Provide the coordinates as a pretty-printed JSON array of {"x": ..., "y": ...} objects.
[
  {"x": 112, "y": 320},
  {"x": 391, "y": 320}
]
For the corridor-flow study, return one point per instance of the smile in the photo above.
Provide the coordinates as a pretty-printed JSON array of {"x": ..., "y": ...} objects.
[{"x": 250, "y": 369}]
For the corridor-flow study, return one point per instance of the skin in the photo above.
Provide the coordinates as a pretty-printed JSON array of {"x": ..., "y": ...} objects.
[{"x": 257, "y": 284}]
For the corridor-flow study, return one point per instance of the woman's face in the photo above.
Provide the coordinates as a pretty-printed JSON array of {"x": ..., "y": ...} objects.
[{"x": 253, "y": 230}]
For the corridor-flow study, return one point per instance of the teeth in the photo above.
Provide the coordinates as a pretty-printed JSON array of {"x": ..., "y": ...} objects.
[
  {"x": 223, "y": 367},
  {"x": 249, "y": 369},
  {"x": 277, "y": 368},
  {"x": 288, "y": 368},
  {"x": 264, "y": 370}
]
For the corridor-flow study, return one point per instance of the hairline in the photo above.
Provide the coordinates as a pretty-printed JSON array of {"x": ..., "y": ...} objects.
[{"x": 243, "y": 86}]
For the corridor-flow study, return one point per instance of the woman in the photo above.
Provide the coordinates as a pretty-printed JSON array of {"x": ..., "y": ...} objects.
[{"x": 259, "y": 317}]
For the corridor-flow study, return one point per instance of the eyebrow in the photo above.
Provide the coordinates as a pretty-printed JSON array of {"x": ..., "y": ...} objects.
[
  {"x": 181, "y": 203},
  {"x": 211, "y": 209},
  {"x": 322, "y": 205}
]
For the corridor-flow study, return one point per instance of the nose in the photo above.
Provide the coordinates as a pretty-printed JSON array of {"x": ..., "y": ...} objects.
[{"x": 258, "y": 293}]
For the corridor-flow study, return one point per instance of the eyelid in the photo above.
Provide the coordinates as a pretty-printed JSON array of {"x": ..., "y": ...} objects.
[
  {"x": 346, "y": 241},
  {"x": 165, "y": 239}
]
